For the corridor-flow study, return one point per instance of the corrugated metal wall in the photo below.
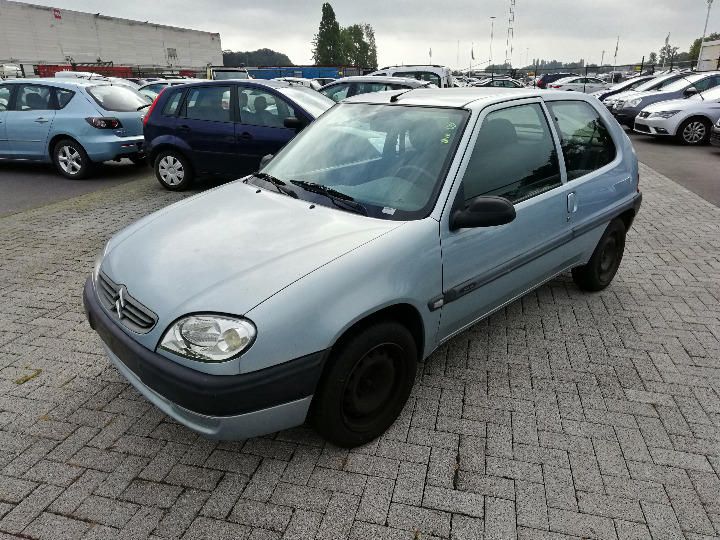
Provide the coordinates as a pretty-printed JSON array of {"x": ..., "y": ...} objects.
[{"x": 31, "y": 33}]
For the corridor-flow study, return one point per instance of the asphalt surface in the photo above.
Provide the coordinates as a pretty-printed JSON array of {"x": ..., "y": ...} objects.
[
  {"x": 30, "y": 185},
  {"x": 696, "y": 168}
]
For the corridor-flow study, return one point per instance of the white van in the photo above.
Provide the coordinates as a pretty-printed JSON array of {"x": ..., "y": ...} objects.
[{"x": 441, "y": 76}]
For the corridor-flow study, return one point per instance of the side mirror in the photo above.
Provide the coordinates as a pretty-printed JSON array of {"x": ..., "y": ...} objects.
[
  {"x": 691, "y": 91},
  {"x": 267, "y": 158},
  {"x": 293, "y": 122},
  {"x": 483, "y": 212}
]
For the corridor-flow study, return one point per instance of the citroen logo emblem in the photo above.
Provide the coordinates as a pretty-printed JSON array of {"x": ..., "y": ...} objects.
[{"x": 120, "y": 303}]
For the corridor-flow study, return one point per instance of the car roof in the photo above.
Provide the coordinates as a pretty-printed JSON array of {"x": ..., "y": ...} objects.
[
  {"x": 465, "y": 97},
  {"x": 247, "y": 82},
  {"x": 564, "y": 79},
  {"x": 381, "y": 79},
  {"x": 60, "y": 82}
]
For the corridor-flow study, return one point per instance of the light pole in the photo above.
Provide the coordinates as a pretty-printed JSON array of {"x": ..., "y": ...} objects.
[
  {"x": 602, "y": 59},
  {"x": 492, "y": 30},
  {"x": 707, "y": 19}
]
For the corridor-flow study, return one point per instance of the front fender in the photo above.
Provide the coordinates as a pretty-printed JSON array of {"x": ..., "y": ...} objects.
[{"x": 403, "y": 266}]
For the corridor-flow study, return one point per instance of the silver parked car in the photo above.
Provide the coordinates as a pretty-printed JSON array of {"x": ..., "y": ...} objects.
[{"x": 310, "y": 290}]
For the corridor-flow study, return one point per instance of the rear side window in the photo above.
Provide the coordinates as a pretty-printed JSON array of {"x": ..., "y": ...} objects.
[
  {"x": 172, "y": 104},
  {"x": 33, "y": 98},
  {"x": 420, "y": 75},
  {"x": 63, "y": 97},
  {"x": 118, "y": 98},
  {"x": 585, "y": 140},
  {"x": 4, "y": 98},
  {"x": 514, "y": 156},
  {"x": 208, "y": 103}
]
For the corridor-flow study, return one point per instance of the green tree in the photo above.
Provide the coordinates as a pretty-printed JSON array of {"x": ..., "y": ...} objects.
[
  {"x": 328, "y": 42},
  {"x": 261, "y": 57},
  {"x": 695, "y": 47},
  {"x": 372, "y": 46},
  {"x": 667, "y": 53},
  {"x": 652, "y": 59}
]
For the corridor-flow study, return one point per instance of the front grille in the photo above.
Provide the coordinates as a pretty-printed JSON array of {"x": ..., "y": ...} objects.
[
  {"x": 644, "y": 114},
  {"x": 642, "y": 127},
  {"x": 131, "y": 313}
]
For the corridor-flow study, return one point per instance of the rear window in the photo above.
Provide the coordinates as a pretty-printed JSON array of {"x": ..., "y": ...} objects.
[{"x": 118, "y": 98}]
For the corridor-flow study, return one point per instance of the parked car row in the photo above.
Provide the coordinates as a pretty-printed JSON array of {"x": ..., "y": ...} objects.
[
  {"x": 469, "y": 185},
  {"x": 683, "y": 105}
]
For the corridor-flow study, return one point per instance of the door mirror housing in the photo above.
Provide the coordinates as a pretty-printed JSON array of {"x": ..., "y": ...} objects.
[
  {"x": 267, "y": 158},
  {"x": 691, "y": 91},
  {"x": 483, "y": 212},
  {"x": 292, "y": 122}
]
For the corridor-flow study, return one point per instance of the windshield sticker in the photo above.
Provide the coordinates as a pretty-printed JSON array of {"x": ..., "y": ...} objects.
[
  {"x": 452, "y": 126},
  {"x": 388, "y": 210}
]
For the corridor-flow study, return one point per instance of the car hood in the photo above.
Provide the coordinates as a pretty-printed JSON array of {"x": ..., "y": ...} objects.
[
  {"x": 684, "y": 105},
  {"x": 627, "y": 94},
  {"x": 231, "y": 248}
]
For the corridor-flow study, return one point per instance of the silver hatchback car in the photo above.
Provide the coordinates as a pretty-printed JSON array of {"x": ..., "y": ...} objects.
[{"x": 310, "y": 290}]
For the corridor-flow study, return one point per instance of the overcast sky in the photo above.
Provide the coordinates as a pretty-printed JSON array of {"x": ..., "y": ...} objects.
[{"x": 406, "y": 29}]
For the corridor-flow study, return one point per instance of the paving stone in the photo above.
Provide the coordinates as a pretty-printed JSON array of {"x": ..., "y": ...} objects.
[{"x": 563, "y": 415}]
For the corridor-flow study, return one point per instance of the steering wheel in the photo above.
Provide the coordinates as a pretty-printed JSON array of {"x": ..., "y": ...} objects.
[{"x": 415, "y": 169}]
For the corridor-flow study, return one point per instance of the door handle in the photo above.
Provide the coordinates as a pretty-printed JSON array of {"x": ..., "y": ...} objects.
[
  {"x": 572, "y": 205},
  {"x": 245, "y": 136},
  {"x": 41, "y": 120}
]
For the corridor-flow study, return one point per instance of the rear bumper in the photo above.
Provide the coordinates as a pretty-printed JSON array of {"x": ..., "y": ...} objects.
[
  {"x": 217, "y": 406},
  {"x": 109, "y": 147}
]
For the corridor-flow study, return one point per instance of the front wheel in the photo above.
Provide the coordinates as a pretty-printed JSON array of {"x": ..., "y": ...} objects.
[
  {"x": 694, "y": 131},
  {"x": 605, "y": 261},
  {"x": 173, "y": 170},
  {"x": 71, "y": 160},
  {"x": 366, "y": 385}
]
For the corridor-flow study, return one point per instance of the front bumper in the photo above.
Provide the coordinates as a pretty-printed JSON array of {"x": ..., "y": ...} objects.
[
  {"x": 653, "y": 126},
  {"x": 109, "y": 146},
  {"x": 626, "y": 116},
  {"x": 217, "y": 406},
  {"x": 715, "y": 136}
]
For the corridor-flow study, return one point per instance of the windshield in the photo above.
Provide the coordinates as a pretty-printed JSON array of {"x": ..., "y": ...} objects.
[
  {"x": 312, "y": 101},
  {"x": 227, "y": 75},
  {"x": 389, "y": 158},
  {"x": 118, "y": 98},
  {"x": 682, "y": 83}
]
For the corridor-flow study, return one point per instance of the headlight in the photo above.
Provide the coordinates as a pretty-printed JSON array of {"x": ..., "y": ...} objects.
[
  {"x": 632, "y": 103},
  {"x": 718, "y": 123},
  {"x": 663, "y": 114},
  {"x": 208, "y": 338}
]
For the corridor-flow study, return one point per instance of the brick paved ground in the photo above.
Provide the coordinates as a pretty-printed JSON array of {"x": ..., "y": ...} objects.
[{"x": 566, "y": 415}]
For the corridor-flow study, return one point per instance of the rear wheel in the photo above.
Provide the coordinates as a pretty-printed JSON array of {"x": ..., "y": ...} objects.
[
  {"x": 605, "y": 261},
  {"x": 173, "y": 170},
  {"x": 71, "y": 160},
  {"x": 694, "y": 131},
  {"x": 366, "y": 385}
]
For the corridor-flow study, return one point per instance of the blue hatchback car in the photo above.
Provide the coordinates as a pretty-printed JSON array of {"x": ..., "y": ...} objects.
[
  {"x": 73, "y": 124},
  {"x": 224, "y": 128}
]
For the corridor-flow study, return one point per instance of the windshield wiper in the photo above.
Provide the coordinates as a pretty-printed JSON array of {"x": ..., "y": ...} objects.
[
  {"x": 692, "y": 86},
  {"x": 338, "y": 198},
  {"x": 141, "y": 107},
  {"x": 279, "y": 184}
]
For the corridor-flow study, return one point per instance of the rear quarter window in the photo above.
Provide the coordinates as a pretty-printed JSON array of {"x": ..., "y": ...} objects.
[
  {"x": 63, "y": 97},
  {"x": 172, "y": 104}
]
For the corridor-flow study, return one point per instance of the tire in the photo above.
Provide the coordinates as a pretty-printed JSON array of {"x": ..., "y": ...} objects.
[
  {"x": 173, "y": 170},
  {"x": 71, "y": 160},
  {"x": 605, "y": 261},
  {"x": 694, "y": 132},
  {"x": 365, "y": 385}
]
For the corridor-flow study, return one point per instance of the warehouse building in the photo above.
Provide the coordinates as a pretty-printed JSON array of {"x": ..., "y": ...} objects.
[{"x": 43, "y": 36}]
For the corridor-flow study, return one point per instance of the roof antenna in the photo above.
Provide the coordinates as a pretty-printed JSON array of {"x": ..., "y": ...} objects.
[{"x": 395, "y": 97}]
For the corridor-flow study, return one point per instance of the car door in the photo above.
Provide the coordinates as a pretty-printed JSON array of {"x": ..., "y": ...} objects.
[
  {"x": 5, "y": 94},
  {"x": 29, "y": 121},
  {"x": 597, "y": 176},
  {"x": 206, "y": 125},
  {"x": 260, "y": 126},
  {"x": 513, "y": 154}
]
